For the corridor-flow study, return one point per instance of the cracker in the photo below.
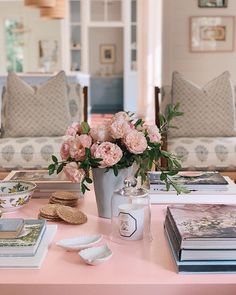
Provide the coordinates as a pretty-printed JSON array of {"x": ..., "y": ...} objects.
[
  {"x": 71, "y": 215},
  {"x": 49, "y": 210},
  {"x": 71, "y": 204},
  {"x": 64, "y": 195},
  {"x": 40, "y": 216}
]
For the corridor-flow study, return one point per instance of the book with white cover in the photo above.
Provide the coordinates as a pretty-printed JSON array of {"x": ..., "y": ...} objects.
[{"x": 32, "y": 261}]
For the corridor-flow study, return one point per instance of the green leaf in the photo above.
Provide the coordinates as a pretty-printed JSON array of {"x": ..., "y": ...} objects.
[
  {"x": 85, "y": 127},
  {"x": 87, "y": 152},
  {"x": 51, "y": 169},
  {"x": 88, "y": 180},
  {"x": 139, "y": 122},
  {"x": 54, "y": 158},
  {"x": 115, "y": 170},
  {"x": 60, "y": 168}
]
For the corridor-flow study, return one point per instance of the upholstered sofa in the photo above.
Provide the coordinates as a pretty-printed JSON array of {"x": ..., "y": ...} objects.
[
  {"x": 34, "y": 152},
  {"x": 198, "y": 152}
]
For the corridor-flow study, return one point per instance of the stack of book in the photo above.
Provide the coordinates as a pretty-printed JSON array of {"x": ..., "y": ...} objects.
[
  {"x": 24, "y": 242},
  {"x": 202, "y": 238},
  {"x": 191, "y": 180}
]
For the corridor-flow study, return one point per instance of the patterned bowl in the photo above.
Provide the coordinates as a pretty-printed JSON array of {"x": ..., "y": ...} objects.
[{"x": 14, "y": 194}]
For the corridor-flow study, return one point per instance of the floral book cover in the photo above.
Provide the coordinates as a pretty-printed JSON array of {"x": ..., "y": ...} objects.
[{"x": 204, "y": 221}]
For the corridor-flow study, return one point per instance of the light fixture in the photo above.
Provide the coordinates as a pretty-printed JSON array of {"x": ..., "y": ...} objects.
[
  {"x": 30, "y": 2},
  {"x": 46, "y": 3},
  {"x": 56, "y": 12}
]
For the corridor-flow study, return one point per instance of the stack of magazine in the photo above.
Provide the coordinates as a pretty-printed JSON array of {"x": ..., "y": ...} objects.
[
  {"x": 202, "y": 238},
  {"x": 191, "y": 180},
  {"x": 24, "y": 242}
]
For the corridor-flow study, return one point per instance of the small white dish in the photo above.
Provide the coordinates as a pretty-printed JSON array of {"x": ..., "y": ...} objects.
[
  {"x": 96, "y": 255},
  {"x": 190, "y": 173},
  {"x": 79, "y": 243}
]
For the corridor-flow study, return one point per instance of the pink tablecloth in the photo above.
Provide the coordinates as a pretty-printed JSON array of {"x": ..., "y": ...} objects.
[{"x": 133, "y": 269}]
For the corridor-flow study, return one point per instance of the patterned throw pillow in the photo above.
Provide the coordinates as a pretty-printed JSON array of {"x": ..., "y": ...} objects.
[
  {"x": 40, "y": 111},
  {"x": 208, "y": 111}
]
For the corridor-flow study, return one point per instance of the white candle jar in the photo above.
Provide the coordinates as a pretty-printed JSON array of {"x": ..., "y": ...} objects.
[{"x": 130, "y": 214}]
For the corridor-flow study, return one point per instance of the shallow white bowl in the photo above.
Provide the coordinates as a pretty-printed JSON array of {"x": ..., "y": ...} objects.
[
  {"x": 79, "y": 243},
  {"x": 96, "y": 255},
  {"x": 14, "y": 194}
]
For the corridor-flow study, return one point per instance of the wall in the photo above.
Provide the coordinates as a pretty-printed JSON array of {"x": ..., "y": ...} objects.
[
  {"x": 98, "y": 36},
  {"x": 197, "y": 67},
  {"x": 40, "y": 29}
]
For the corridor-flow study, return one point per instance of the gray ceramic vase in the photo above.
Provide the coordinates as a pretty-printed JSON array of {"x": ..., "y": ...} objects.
[{"x": 105, "y": 183}]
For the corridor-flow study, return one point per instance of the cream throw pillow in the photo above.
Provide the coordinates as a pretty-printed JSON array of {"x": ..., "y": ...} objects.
[
  {"x": 41, "y": 111},
  {"x": 208, "y": 111}
]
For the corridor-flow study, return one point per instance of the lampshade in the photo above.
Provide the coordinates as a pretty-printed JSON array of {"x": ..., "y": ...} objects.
[
  {"x": 56, "y": 12},
  {"x": 30, "y": 2},
  {"x": 46, "y": 3}
]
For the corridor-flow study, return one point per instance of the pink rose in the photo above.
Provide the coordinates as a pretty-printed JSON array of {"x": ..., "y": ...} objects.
[
  {"x": 101, "y": 133},
  {"x": 93, "y": 149},
  {"x": 135, "y": 142},
  {"x": 73, "y": 129},
  {"x": 121, "y": 116},
  {"x": 110, "y": 154},
  {"x": 153, "y": 133},
  {"x": 73, "y": 173},
  {"x": 78, "y": 145},
  {"x": 65, "y": 149},
  {"x": 119, "y": 128}
]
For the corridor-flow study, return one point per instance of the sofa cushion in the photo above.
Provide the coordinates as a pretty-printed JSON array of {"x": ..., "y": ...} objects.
[
  {"x": 212, "y": 153},
  {"x": 208, "y": 111},
  {"x": 40, "y": 111},
  {"x": 28, "y": 152}
]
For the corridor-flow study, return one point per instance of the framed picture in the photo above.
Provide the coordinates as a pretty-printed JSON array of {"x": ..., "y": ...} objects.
[
  {"x": 212, "y": 3},
  {"x": 211, "y": 33},
  {"x": 107, "y": 54}
]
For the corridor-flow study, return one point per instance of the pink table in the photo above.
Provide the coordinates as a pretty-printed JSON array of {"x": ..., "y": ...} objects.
[{"x": 133, "y": 269}]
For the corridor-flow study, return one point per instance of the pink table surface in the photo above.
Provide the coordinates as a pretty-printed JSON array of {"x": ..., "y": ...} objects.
[{"x": 136, "y": 269}]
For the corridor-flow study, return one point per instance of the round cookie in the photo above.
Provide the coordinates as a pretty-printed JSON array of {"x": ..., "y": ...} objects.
[
  {"x": 49, "y": 211},
  {"x": 71, "y": 215},
  {"x": 64, "y": 195}
]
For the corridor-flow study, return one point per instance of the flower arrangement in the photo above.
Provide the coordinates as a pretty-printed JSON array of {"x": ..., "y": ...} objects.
[{"x": 116, "y": 144}]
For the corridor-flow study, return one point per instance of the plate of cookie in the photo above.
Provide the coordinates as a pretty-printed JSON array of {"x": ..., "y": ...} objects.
[{"x": 79, "y": 243}]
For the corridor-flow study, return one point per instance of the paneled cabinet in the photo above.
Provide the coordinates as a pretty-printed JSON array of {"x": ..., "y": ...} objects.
[{"x": 93, "y": 26}]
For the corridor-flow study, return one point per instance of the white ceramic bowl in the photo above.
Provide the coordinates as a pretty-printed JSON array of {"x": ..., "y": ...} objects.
[
  {"x": 96, "y": 255},
  {"x": 79, "y": 243},
  {"x": 14, "y": 194}
]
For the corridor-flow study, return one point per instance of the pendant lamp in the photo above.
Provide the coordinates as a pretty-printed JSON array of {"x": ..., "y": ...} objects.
[
  {"x": 30, "y": 2},
  {"x": 56, "y": 12},
  {"x": 46, "y": 3}
]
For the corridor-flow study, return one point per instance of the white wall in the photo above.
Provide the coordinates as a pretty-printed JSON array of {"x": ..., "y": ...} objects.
[
  {"x": 197, "y": 67},
  {"x": 98, "y": 36},
  {"x": 39, "y": 29}
]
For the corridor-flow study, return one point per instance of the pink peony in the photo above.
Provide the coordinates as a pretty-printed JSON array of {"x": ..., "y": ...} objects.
[
  {"x": 73, "y": 129},
  {"x": 153, "y": 133},
  {"x": 135, "y": 142},
  {"x": 101, "y": 133},
  {"x": 121, "y": 116},
  {"x": 110, "y": 154},
  {"x": 73, "y": 173},
  {"x": 119, "y": 128},
  {"x": 78, "y": 145},
  {"x": 94, "y": 148}
]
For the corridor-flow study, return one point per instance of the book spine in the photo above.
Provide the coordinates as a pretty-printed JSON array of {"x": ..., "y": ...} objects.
[
  {"x": 207, "y": 268},
  {"x": 172, "y": 239},
  {"x": 174, "y": 227}
]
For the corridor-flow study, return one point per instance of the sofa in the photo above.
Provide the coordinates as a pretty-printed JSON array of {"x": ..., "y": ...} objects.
[
  {"x": 34, "y": 152},
  {"x": 198, "y": 152}
]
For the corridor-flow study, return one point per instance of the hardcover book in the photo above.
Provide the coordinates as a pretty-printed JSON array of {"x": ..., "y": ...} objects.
[
  {"x": 27, "y": 242},
  {"x": 10, "y": 227},
  {"x": 190, "y": 180},
  {"x": 201, "y": 266},
  {"x": 204, "y": 226}
]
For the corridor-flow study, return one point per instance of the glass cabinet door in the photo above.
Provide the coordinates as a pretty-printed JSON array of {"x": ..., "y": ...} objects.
[
  {"x": 75, "y": 35},
  {"x": 105, "y": 10},
  {"x": 133, "y": 37}
]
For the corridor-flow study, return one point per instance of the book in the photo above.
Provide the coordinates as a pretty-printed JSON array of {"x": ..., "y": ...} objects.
[
  {"x": 204, "y": 226},
  {"x": 10, "y": 227},
  {"x": 201, "y": 266},
  {"x": 193, "y": 182},
  {"x": 46, "y": 184},
  {"x": 27, "y": 242},
  {"x": 197, "y": 254},
  {"x": 31, "y": 261}
]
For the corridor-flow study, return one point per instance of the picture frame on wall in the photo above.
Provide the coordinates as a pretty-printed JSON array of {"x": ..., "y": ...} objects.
[
  {"x": 212, "y": 3},
  {"x": 212, "y": 33},
  {"x": 107, "y": 53}
]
